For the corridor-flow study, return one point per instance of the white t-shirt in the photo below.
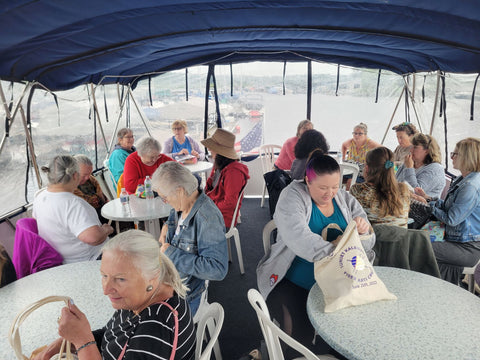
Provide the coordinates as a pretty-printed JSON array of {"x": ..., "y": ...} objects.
[{"x": 61, "y": 217}]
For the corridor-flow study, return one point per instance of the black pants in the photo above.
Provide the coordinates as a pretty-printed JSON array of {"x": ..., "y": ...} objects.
[{"x": 287, "y": 304}]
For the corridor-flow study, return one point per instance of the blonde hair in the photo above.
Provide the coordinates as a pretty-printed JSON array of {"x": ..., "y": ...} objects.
[
  {"x": 362, "y": 126},
  {"x": 381, "y": 174},
  {"x": 144, "y": 251},
  {"x": 468, "y": 154},
  {"x": 430, "y": 144},
  {"x": 181, "y": 123},
  {"x": 301, "y": 124}
]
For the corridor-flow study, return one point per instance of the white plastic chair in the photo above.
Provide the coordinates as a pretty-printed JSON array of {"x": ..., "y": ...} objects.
[
  {"x": 273, "y": 334},
  {"x": 349, "y": 169},
  {"x": 266, "y": 235},
  {"x": 233, "y": 232},
  {"x": 211, "y": 319},
  {"x": 109, "y": 180},
  {"x": 469, "y": 271},
  {"x": 267, "y": 157},
  {"x": 202, "y": 312}
]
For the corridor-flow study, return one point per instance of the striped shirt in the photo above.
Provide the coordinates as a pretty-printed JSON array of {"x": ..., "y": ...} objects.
[{"x": 150, "y": 335}]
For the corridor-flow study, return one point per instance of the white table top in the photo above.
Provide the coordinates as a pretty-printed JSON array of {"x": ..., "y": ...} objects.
[
  {"x": 139, "y": 210},
  {"x": 81, "y": 281},
  {"x": 199, "y": 166},
  {"x": 431, "y": 319}
]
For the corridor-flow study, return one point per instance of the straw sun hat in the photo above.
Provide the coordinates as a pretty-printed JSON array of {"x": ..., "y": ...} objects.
[{"x": 222, "y": 142}]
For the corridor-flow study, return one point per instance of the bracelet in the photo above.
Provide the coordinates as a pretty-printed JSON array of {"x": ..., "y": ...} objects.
[{"x": 85, "y": 345}]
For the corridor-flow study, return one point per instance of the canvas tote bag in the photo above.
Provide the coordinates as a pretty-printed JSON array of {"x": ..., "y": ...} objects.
[
  {"x": 346, "y": 277},
  {"x": 14, "y": 334}
]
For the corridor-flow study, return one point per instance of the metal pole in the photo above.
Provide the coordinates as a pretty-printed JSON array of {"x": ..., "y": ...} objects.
[
  {"x": 139, "y": 111},
  {"x": 114, "y": 137},
  {"x": 435, "y": 103},
  {"x": 31, "y": 148},
  {"x": 413, "y": 104},
  {"x": 393, "y": 115},
  {"x": 95, "y": 108},
  {"x": 11, "y": 117}
]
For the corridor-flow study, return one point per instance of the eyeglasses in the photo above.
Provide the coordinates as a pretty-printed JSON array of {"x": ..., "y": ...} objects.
[
  {"x": 177, "y": 128},
  {"x": 358, "y": 133},
  {"x": 128, "y": 137},
  {"x": 453, "y": 154},
  {"x": 163, "y": 198}
]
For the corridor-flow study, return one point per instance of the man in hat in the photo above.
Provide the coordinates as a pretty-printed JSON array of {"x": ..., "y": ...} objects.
[{"x": 228, "y": 176}]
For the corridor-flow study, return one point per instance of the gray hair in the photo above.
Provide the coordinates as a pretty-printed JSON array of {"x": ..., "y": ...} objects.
[
  {"x": 144, "y": 251},
  {"x": 148, "y": 145},
  {"x": 61, "y": 169},
  {"x": 122, "y": 132},
  {"x": 83, "y": 160},
  {"x": 362, "y": 126},
  {"x": 171, "y": 175}
]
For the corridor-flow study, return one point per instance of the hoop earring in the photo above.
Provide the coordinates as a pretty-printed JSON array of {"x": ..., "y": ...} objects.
[{"x": 149, "y": 288}]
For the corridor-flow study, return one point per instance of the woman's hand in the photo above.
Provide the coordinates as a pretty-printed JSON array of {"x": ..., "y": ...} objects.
[
  {"x": 418, "y": 198},
  {"x": 107, "y": 228},
  {"x": 183, "y": 152},
  {"x": 362, "y": 225},
  {"x": 408, "y": 162},
  {"x": 73, "y": 326},
  {"x": 163, "y": 234},
  {"x": 195, "y": 153},
  {"x": 49, "y": 351}
]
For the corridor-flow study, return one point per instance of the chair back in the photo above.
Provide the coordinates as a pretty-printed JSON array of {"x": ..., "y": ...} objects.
[
  {"x": 211, "y": 320},
  {"x": 119, "y": 185},
  {"x": 347, "y": 169},
  {"x": 31, "y": 253},
  {"x": 266, "y": 235},
  {"x": 268, "y": 156},
  {"x": 109, "y": 179},
  {"x": 272, "y": 333},
  {"x": 237, "y": 208}
]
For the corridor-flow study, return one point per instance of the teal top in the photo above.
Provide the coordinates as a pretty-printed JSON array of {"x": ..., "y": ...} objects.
[
  {"x": 301, "y": 272},
  {"x": 116, "y": 162}
]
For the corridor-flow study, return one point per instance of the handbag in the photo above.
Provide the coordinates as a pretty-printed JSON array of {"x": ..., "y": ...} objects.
[
  {"x": 14, "y": 333},
  {"x": 420, "y": 213},
  {"x": 346, "y": 276}
]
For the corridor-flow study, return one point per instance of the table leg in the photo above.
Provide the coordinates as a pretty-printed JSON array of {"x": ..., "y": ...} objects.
[{"x": 153, "y": 227}]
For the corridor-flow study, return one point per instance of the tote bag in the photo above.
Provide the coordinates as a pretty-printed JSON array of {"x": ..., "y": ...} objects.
[{"x": 346, "y": 277}]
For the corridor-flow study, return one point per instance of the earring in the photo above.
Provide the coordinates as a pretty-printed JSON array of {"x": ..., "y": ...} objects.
[{"x": 149, "y": 288}]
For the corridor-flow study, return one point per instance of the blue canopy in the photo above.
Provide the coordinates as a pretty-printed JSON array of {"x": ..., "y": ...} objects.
[{"x": 62, "y": 44}]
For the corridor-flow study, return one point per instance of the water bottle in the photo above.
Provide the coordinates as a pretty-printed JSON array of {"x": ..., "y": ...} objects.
[
  {"x": 124, "y": 200},
  {"x": 148, "y": 192}
]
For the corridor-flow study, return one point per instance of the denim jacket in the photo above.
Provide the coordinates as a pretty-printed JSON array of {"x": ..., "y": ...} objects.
[
  {"x": 199, "y": 251},
  {"x": 460, "y": 211}
]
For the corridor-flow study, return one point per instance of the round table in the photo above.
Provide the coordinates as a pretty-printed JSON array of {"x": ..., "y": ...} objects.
[
  {"x": 431, "y": 319},
  {"x": 199, "y": 167},
  {"x": 138, "y": 210},
  {"x": 81, "y": 281}
]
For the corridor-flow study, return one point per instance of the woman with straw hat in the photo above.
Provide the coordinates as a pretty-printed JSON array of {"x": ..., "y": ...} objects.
[{"x": 228, "y": 176}]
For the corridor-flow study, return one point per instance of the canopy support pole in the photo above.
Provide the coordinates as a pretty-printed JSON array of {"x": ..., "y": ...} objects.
[
  {"x": 139, "y": 110},
  {"x": 413, "y": 103},
  {"x": 11, "y": 116},
  {"x": 95, "y": 108},
  {"x": 33, "y": 156},
  {"x": 435, "y": 103},
  {"x": 121, "y": 102},
  {"x": 393, "y": 115}
]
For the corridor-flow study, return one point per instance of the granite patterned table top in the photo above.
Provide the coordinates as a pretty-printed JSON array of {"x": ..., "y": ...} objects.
[
  {"x": 81, "y": 281},
  {"x": 431, "y": 319}
]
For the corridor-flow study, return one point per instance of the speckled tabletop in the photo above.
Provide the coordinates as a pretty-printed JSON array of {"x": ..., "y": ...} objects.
[
  {"x": 431, "y": 319},
  {"x": 80, "y": 281}
]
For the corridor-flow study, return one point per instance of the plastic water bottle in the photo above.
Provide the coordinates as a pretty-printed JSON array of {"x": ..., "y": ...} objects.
[
  {"x": 124, "y": 200},
  {"x": 148, "y": 192}
]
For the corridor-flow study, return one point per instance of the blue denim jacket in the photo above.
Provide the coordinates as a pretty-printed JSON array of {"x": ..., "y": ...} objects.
[
  {"x": 460, "y": 211},
  {"x": 199, "y": 251}
]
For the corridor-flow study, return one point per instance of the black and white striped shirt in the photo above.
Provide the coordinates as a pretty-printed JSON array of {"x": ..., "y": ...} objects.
[{"x": 150, "y": 335}]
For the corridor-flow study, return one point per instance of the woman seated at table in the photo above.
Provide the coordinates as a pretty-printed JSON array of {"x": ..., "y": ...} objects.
[
  {"x": 422, "y": 168},
  {"x": 384, "y": 199},
  {"x": 287, "y": 154},
  {"x": 182, "y": 144},
  {"x": 356, "y": 148},
  {"x": 194, "y": 235},
  {"x": 460, "y": 212},
  {"x": 405, "y": 132},
  {"x": 64, "y": 220},
  {"x": 123, "y": 148},
  {"x": 228, "y": 176},
  {"x": 142, "y": 162},
  {"x": 285, "y": 275},
  {"x": 143, "y": 287},
  {"x": 309, "y": 141}
]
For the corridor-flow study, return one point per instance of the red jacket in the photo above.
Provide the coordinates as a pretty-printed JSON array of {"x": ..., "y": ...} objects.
[
  {"x": 135, "y": 170},
  {"x": 233, "y": 178}
]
